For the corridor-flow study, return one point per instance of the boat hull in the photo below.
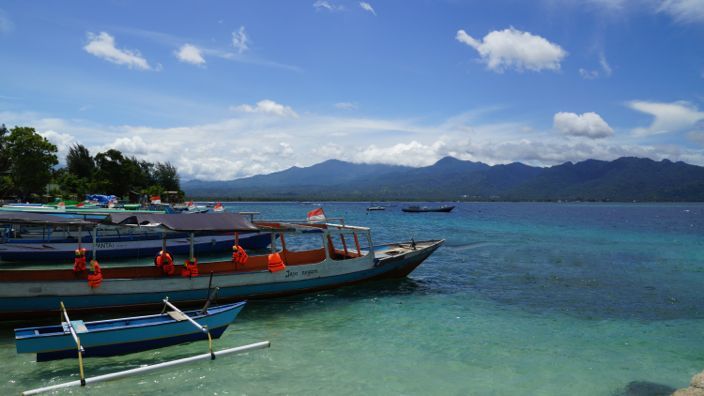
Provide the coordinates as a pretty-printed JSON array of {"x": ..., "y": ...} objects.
[
  {"x": 23, "y": 299},
  {"x": 123, "y": 336}
]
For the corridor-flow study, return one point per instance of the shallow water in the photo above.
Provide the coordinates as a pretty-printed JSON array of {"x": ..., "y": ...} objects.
[{"x": 524, "y": 298}]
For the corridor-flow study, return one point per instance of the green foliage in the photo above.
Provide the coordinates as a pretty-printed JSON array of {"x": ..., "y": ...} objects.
[
  {"x": 167, "y": 177},
  {"x": 27, "y": 162},
  {"x": 31, "y": 159},
  {"x": 79, "y": 162}
]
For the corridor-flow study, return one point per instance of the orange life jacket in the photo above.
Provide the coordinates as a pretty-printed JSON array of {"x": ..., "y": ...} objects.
[
  {"x": 276, "y": 263},
  {"x": 164, "y": 261},
  {"x": 239, "y": 256},
  {"x": 79, "y": 263},
  {"x": 95, "y": 275},
  {"x": 190, "y": 268}
]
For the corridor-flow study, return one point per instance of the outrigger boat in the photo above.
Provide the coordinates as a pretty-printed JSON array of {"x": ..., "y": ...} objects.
[
  {"x": 344, "y": 255},
  {"x": 125, "y": 335}
]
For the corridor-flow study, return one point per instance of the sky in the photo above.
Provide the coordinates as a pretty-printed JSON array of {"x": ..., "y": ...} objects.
[{"x": 228, "y": 89}]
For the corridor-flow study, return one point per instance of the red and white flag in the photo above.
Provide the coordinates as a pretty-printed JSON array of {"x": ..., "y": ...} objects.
[
  {"x": 80, "y": 205},
  {"x": 316, "y": 216},
  {"x": 218, "y": 208},
  {"x": 155, "y": 199}
]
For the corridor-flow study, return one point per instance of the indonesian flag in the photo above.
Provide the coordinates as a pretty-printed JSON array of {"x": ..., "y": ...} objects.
[
  {"x": 218, "y": 207},
  {"x": 155, "y": 199},
  {"x": 190, "y": 204},
  {"x": 61, "y": 205},
  {"x": 80, "y": 205},
  {"x": 316, "y": 216}
]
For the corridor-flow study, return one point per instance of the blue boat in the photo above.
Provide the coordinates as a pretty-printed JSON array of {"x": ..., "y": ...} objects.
[{"x": 125, "y": 335}]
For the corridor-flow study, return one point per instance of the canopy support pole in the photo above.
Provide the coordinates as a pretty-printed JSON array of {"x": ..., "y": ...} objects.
[
  {"x": 80, "y": 236},
  {"x": 190, "y": 237},
  {"x": 95, "y": 241},
  {"x": 146, "y": 369}
]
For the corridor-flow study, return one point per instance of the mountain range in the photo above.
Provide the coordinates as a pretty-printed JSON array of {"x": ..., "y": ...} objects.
[{"x": 623, "y": 179}]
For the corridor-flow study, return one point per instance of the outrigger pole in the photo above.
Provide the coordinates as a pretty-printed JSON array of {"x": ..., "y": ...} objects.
[{"x": 153, "y": 367}]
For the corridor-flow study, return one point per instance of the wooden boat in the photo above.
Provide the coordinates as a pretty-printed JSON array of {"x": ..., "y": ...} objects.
[
  {"x": 125, "y": 335},
  {"x": 422, "y": 209},
  {"x": 344, "y": 255}
]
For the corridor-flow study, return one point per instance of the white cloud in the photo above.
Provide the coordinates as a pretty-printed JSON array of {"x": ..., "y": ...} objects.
[
  {"x": 189, "y": 53},
  {"x": 103, "y": 46},
  {"x": 367, "y": 7},
  {"x": 512, "y": 48},
  {"x": 346, "y": 106},
  {"x": 257, "y": 141},
  {"x": 589, "y": 125},
  {"x": 267, "y": 106},
  {"x": 668, "y": 117},
  {"x": 605, "y": 65},
  {"x": 327, "y": 5},
  {"x": 63, "y": 142},
  {"x": 240, "y": 40},
  {"x": 6, "y": 24},
  {"x": 685, "y": 11}
]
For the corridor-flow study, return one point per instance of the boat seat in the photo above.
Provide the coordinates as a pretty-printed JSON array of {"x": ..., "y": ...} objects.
[{"x": 177, "y": 316}]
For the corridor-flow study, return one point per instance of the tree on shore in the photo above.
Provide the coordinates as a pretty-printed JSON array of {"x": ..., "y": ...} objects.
[
  {"x": 31, "y": 159},
  {"x": 79, "y": 162}
]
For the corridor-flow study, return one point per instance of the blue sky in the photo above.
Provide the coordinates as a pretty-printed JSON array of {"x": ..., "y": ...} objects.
[{"x": 226, "y": 89}]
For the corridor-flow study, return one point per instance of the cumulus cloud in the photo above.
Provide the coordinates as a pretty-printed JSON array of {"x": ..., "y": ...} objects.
[
  {"x": 267, "y": 106},
  {"x": 257, "y": 142},
  {"x": 240, "y": 40},
  {"x": 686, "y": 11},
  {"x": 6, "y": 24},
  {"x": 589, "y": 125},
  {"x": 327, "y": 5},
  {"x": 367, "y": 7},
  {"x": 102, "y": 45},
  {"x": 513, "y": 49},
  {"x": 189, "y": 53},
  {"x": 63, "y": 142},
  {"x": 668, "y": 117}
]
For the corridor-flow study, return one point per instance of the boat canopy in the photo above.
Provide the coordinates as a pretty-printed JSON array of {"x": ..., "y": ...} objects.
[
  {"x": 178, "y": 222},
  {"x": 42, "y": 219}
]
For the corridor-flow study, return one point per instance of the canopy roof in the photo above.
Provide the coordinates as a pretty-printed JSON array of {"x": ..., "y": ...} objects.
[
  {"x": 42, "y": 219},
  {"x": 184, "y": 222}
]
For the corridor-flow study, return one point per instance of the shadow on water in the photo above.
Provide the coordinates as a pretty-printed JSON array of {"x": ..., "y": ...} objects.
[{"x": 645, "y": 388}]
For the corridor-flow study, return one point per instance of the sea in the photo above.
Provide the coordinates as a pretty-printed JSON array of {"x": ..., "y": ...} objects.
[{"x": 522, "y": 299}]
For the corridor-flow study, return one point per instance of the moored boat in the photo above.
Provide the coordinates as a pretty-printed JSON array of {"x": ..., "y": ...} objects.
[
  {"x": 422, "y": 209},
  {"x": 344, "y": 255},
  {"x": 125, "y": 335}
]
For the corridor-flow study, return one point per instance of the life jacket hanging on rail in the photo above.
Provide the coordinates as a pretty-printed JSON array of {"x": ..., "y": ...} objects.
[
  {"x": 79, "y": 262},
  {"x": 239, "y": 256},
  {"x": 276, "y": 263},
  {"x": 95, "y": 275},
  {"x": 164, "y": 261},
  {"x": 190, "y": 268}
]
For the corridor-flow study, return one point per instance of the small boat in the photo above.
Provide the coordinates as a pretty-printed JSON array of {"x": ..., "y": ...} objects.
[
  {"x": 373, "y": 207},
  {"x": 125, "y": 335},
  {"x": 421, "y": 209}
]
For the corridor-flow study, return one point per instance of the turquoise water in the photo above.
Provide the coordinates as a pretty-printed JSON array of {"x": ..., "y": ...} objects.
[{"x": 549, "y": 299}]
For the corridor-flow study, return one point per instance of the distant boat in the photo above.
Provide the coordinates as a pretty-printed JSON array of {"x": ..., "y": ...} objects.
[
  {"x": 375, "y": 207},
  {"x": 218, "y": 208},
  {"x": 421, "y": 209}
]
